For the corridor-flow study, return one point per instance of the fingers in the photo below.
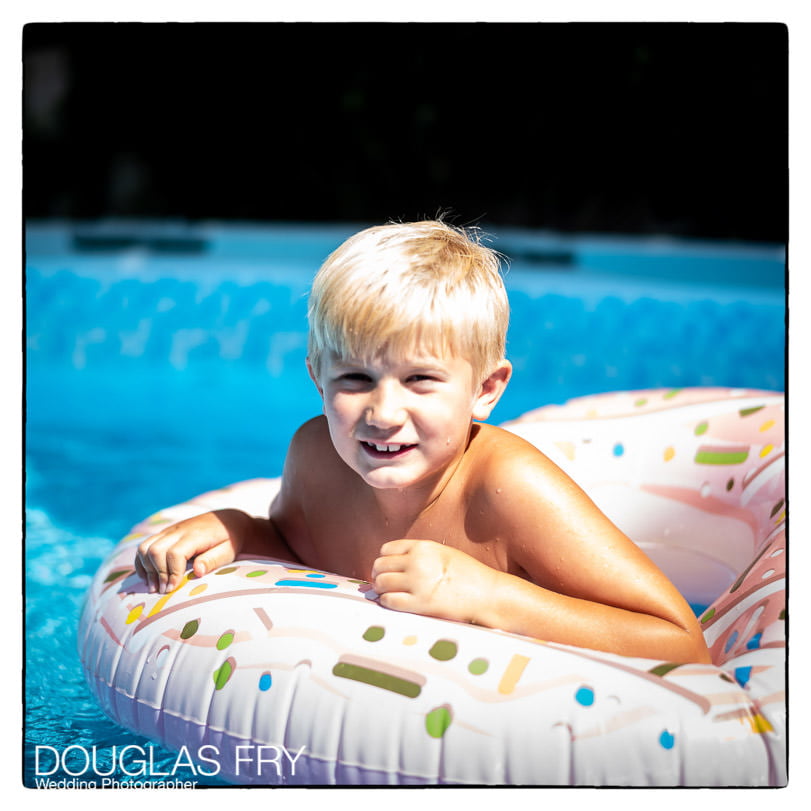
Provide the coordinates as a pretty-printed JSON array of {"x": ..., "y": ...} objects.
[
  {"x": 397, "y": 601},
  {"x": 162, "y": 560},
  {"x": 388, "y": 563},
  {"x": 391, "y": 581},
  {"x": 218, "y": 555},
  {"x": 402, "y": 546}
]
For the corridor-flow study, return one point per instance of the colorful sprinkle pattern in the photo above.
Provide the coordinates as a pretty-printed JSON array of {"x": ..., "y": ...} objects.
[{"x": 265, "y": 653}]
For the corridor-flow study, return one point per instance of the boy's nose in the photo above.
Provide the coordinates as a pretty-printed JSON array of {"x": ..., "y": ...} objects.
[{"x": 385, "y": 408}]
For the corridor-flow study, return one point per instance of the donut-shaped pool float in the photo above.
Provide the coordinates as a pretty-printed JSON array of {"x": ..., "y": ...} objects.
[{"x": 266, "y": 673}]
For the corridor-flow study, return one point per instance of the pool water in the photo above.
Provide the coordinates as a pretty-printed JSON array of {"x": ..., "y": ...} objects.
[{"x": 165, "y": 360}]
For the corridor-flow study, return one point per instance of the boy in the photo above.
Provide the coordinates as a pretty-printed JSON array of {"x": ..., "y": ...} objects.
[{"x": 400, "y": 484}]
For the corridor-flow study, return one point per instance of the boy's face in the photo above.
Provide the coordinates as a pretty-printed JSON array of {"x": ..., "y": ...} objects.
[{"x": 400, "y": 422}]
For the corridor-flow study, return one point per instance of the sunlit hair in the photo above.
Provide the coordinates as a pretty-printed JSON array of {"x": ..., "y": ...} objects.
[{"x": 400, "y": 288}]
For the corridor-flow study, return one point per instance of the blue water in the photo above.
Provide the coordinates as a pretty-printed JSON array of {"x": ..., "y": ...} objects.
[{"x": 163, "y": 361}]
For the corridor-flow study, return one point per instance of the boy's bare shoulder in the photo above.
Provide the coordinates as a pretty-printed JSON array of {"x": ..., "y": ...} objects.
[
  {"x": 506, "y": 469},
  {"x": 310, "y": 442},
  {"x": 499, "y": 450},
  {"x": 311, "y": 430}
]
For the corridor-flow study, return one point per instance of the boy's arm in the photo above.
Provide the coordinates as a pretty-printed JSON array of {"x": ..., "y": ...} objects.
[
  {"x": 216, "y": 538},
  {"x": 212, "y": 539},
  {"x": 595, "y": 587},
  {"x": 587, "y": 583}
]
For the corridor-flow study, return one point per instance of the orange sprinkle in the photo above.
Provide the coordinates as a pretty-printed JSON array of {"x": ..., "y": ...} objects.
[{"x": 512, "y": 674}]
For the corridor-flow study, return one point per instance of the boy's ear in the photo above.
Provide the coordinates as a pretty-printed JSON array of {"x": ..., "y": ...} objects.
[
  {"x": 491, "y": 390},
  {"x": 314, "y": 378}
]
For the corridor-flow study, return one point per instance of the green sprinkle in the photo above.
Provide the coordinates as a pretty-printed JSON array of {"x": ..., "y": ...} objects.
[
  {"x": 223, "y": 673},
  {"x": 190, "y": 629},
  {"x": 437, "y": 721},
  {"x": 478, "y": 666},
  {"x": 225, "y": 640},
  {"x": 377, "y": 678},
  {"x": 664, "y": 668},
  {"x": 706, "y": 457},
  {"x": 374, "y": 633},
  {"x": 443, "y": 650}
]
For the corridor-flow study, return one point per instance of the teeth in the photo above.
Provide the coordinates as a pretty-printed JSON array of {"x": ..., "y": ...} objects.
[{"x": 386, "y": 448}]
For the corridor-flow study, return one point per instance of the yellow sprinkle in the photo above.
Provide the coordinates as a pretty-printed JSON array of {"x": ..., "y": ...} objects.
[
  {"x": 134, "y": 613},
  {"x": 767, "y": 449},
  {"x": 780, "y": 517},
  {"x": 198, "y": 589},
  {"x": 410, "y": 640},
  {"x": 670, "y": 452},
  {"x": 132, "y": 536},
  {"x": 160, "y": 604},
  {"x": 163, "y": 600},
  {"x": 766, "y": 425},
  {"x": 760, "y": 724},
  {"x": 513, "y": 672},
  {"x": 157, "y": 518}
]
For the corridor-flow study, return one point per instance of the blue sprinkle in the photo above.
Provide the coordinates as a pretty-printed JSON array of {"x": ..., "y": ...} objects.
[
  {"x": 315, "y": 574},
  {"x": 619, "y": 449},
  {"x": 585, "y": 696},
  {"x": 309, "y": 583},
  {"x": 667, "y": 740},
  {"x": 742, "y": 675},
  {"x": 733, "y": 638},
  {"x": 265, "y": 680},
  {"x": 754, "y": 642}
]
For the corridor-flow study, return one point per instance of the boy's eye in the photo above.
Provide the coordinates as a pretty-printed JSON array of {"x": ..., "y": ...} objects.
[
  {"x": 354, "y": 379},
  {"x": 423, "y": 381}
]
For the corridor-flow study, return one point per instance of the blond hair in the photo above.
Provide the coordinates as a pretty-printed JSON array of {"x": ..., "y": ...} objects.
[{"x": 401, "y": 287}]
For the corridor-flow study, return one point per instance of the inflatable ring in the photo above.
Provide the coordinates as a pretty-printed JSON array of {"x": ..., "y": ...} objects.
[{"x": 262, "y": 672}]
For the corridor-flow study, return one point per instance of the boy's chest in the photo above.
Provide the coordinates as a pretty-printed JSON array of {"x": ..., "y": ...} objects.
[{"x": 347, "y": 539}]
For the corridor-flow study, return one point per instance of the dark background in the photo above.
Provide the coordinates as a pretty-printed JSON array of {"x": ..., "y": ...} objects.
[{"x": 678, "y": 129}]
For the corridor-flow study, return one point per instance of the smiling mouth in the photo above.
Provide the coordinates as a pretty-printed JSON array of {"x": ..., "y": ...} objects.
[{"x": 383, "y": 450}]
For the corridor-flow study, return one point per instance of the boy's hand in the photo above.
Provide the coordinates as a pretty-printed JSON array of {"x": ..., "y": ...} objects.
[
  {"x": 425, "y": 577},
  {"x": 215, "y": 538}
]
